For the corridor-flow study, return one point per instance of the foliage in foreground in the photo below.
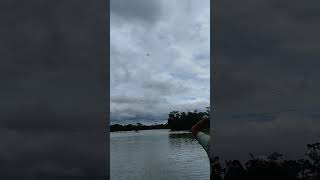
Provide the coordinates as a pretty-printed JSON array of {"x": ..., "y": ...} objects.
[{"x": 274, "y": 167}]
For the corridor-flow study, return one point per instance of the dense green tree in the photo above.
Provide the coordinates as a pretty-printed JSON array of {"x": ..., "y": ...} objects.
[{"x": 185, "y": 120}]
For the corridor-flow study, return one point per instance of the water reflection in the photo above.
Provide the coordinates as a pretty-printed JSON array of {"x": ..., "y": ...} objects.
[
  {"x": 178, "y": 139},
  {"x": 157, "y": 154}
]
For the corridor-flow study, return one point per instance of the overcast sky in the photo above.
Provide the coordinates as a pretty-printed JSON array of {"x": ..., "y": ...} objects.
[{"x": 159, "y": 56}]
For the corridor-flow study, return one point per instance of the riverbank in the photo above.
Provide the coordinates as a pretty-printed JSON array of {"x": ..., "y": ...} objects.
[{"x": 137, "y": 127}]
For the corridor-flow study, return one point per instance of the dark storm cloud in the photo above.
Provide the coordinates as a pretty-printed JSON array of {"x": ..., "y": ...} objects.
[
  {"x": 266, "y": 60},
  {"x": 141, "y": 10},
  {"x": 144, "y": 108},
  {"x": 53, "y": 89}
]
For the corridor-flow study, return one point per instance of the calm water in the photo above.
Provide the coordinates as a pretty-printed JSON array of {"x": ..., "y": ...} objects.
[{"x": 157, "y": 155}]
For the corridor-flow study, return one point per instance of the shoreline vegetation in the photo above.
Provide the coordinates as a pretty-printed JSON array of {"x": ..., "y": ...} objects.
[
  {"x": 274, "y": 167},
  {"x": 136, "y": 127},
  {"x": 177, "y": 121}
]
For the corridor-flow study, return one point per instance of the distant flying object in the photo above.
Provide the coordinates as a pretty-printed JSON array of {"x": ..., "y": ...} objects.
[{"x": 148, "y": 54}]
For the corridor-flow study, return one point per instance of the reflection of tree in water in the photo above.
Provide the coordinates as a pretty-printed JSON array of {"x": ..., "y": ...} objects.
[
  {"x": 181, "y": 135},
  {"x": 178, "y": 139}
]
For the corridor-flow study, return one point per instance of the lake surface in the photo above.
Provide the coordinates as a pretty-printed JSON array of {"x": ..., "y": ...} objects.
[{"x": 157, "y": 155}]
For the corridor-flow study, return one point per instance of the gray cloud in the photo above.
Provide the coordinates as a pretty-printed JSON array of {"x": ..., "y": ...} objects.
[
  {"x": 159, "y": 59},
  {"x": 139, "y": 10}
]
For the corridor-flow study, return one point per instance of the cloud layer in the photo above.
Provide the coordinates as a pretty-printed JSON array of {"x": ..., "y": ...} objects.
[{"x": 159, "y": 56}]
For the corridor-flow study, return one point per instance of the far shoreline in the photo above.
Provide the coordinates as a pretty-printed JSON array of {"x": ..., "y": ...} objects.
[
  {"x": 140, "y": 127},
  {"x": 177, "y": 121},
  {"x": 153, "y": 129}
]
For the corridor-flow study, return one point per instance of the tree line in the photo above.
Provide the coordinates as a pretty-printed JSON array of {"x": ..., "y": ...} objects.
[
  {"x": 185, "y": 120},
  {"x": 177, "y": 121},
  {"x": 136, "y": 127}
]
